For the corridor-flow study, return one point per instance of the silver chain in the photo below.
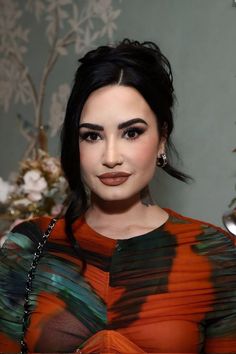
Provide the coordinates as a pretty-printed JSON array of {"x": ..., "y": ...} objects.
[{"x": 28, "y": 288}]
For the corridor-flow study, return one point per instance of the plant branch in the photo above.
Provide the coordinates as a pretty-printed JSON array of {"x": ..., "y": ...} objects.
[
  {"x": 68, "y": 42},
  {"x": 23, "y": 67},
  {"x": 30, "y": 150},
  {"x": 65, "y": 41},
  {"x": 46, "y": 71},
  {"x": 72, "y": 32}
]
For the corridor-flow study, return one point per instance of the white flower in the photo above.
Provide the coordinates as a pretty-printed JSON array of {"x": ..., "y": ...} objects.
[
  {"x": 49, "y": 164},
  {"x": 21, "y": 202},
  {"x": 34, "y": 184},
  {"x": 34, "y": 196},
  {"x": 5, "y": 190}
]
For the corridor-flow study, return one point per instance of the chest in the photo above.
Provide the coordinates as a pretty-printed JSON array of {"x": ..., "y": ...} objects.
[{"x": 146, "y": 297}]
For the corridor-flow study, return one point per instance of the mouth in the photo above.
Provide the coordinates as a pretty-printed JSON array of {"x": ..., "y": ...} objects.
[
  {"x": 114, "y": 175},
  {"x": 114, "y": 179}
]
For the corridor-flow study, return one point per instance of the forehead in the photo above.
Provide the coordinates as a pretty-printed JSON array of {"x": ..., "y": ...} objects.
[{"x": 115, "y": 102}]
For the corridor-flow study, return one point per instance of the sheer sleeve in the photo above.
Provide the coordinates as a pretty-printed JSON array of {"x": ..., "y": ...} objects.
[
  {"x": 220, "y": 331},
  {"x": 15, "y": 258}
]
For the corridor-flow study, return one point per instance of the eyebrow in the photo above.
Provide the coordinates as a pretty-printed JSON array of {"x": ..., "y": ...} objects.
[{"x": 120, "y": 126}]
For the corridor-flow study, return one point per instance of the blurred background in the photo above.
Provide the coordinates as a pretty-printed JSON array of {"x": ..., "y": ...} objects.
[{"x": 40, "y": 43}]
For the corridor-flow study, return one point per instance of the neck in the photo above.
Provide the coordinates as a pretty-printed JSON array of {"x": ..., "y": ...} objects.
[{"x": 121, "y": 211}]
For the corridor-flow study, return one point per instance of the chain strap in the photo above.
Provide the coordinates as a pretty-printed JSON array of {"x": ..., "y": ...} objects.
[{"x": 30, "y": 277}]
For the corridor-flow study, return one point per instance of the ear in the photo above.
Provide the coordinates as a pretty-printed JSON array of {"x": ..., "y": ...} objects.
[{"x": 161, "y": 146}]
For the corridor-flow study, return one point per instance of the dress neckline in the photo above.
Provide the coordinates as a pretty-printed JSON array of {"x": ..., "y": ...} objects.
[{"x": 114, "y": 240}]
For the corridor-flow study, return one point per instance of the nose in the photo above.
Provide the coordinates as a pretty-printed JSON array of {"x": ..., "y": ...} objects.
[{"x": 112, "y": 155}]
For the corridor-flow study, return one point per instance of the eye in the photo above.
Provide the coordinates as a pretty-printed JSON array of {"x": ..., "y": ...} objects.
[
  {"x": 89, "y": 136},
  {"x": 133, "y": 133}
]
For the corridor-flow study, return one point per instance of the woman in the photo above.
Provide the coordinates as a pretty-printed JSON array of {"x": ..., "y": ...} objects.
[{"x": 118, "y": 274}]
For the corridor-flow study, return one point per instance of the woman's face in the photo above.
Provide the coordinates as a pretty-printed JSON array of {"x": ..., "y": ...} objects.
[{"x": 118, "y": 134}]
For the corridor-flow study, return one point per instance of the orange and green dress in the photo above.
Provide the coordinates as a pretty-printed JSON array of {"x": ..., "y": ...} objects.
[{"x": 170, "y": 290}]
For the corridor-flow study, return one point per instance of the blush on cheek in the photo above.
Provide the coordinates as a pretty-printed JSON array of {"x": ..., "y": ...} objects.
[{"x": 146, "y": 155}]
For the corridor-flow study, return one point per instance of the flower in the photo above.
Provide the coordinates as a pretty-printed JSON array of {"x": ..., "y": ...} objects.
[
  {"x": 5, "y": 190},
  {"x": 51, "y": 165},
  {"x": 34, "y": 184},
  {"x": 21, "y": 202},
  {"x": 39, "y": 188},
  {"x": 34, "y": 196}
]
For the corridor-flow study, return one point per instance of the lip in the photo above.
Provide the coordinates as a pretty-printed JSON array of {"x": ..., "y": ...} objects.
[
  {"x": 114, "y": 178},
  {"x": 114, "y": 181},
  {"x": 114, "y": 175}
]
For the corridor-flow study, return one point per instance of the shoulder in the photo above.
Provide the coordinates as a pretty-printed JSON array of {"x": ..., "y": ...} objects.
[
  {"x": 205, "y": 248},
  {"x": 27, "y": 233},
  {"x": 199, "y": 231}
]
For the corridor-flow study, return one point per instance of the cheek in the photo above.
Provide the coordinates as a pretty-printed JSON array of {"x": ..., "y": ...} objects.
[
  {"x": 87, "y": 158},
  {"x": 146, "y": 155},
  {"x": 84, "y": 162}
]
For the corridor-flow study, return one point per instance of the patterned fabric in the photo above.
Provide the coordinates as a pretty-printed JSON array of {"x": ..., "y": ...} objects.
[{"x": 171, "y": 290}]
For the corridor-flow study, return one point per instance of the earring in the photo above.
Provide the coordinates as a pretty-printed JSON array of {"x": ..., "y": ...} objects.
[{"x": 162, "y": 161}]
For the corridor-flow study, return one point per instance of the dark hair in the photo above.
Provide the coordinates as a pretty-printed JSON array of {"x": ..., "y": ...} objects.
[{"x": 146, "y": 69}]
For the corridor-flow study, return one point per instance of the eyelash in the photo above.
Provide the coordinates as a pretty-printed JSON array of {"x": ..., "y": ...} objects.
[{"x": 84, "y": 136}]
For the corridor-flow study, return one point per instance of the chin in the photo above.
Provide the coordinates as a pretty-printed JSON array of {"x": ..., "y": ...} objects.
[
  {"x": 112, "y": 198},
  {"x": 116, "y": 196}
]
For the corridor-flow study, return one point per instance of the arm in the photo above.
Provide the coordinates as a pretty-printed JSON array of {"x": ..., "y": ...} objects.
[
  {"x": 221, "y": 321},
  {"x": 15, "y": 259}
]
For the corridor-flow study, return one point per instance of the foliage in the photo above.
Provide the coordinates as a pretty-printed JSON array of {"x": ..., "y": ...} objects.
[{"x": 65, "y": 24}]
